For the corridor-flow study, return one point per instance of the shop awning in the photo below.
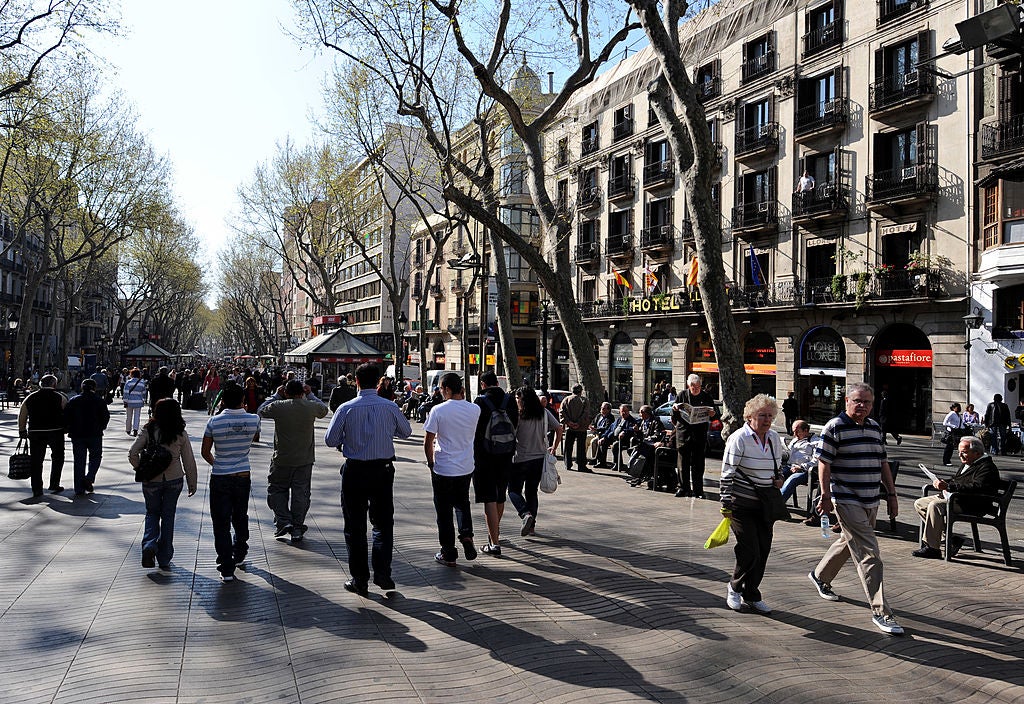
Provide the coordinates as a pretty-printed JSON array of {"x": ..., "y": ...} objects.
[
  {"x": 335, "y": 346},
  {"x": 149, "y": 350}
]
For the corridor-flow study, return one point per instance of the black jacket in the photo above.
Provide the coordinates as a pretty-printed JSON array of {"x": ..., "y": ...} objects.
[
  {"x": 981, "y": 477},
  {"x": 86, "y": 416}
]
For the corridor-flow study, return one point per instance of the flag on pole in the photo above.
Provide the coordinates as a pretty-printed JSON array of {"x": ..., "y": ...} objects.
[
  {"x": 650, "y": 280},
  {"x": 623, "y": 281},
  {"x": 691, "y": 277},
  {"x": 756, "y": 275}
]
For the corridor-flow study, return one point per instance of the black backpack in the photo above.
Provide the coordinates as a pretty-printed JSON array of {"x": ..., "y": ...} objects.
[{"x": 499, "y": 434}]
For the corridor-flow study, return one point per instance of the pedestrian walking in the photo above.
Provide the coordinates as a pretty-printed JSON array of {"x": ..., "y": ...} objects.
[
  {"x": 997, "y": 420},
  {"x": 448, "y": 447},
  {"x": 161, "y": 493},
  {"x": 575, "y": 414},
  {"x": 160, "y": 387},
  {"x": 532, "y": 446},
  {"x": 887, "y": 420},
  {"x": 493, "y": 449},
  {"x": 294, "y": 412},
  {"x": 952, "y": 430},
  {"x": 751, "y": 460},
  {"x": 364, "y": 430},
  {"x": 85, "y": 418},
  {"x": 134, "y": 398},
  {"x": 41, "y": 421},
  {"x": 790, "y": 411},
  {"x": 226, "y": 444},
  {"x": 851, "y": 465}
]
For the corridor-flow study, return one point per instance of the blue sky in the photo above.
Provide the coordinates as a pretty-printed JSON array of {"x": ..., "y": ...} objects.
[{"x": 217, "y": 83}]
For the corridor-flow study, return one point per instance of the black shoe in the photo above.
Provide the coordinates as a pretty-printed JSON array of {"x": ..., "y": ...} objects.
[
  {"x": 385, "y": 583},
  {"x": 586, "y": 470},
  {"x": 491, "y": 549},
  {"x": 148, "y": 557},
  {"x": 55, "y": 489},
  {"x": 682, "y": 493},
  {"x": 468, "y": 549},
  {"x": 283, "y": 531},
  {"x": 89, "y": 488},
  {"x": 699, "y": 496},
  {"x": 356, "y": 588},
  {"x": 927, "y": 552},
  {"x": 899, "y": 441},
  {"x": 955, "y": 543}
]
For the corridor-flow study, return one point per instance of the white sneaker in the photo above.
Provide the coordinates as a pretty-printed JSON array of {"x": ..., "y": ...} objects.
[
  {"x": 887, "y": 624},
  {"x": 732, "y": 598},
  {"x": 759, "y": 606}
]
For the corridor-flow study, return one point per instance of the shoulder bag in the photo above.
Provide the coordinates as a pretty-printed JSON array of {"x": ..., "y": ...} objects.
[
  {"x": 153, "y": 460},
  {"x": 19, "y": 465},
  {"x": 772, "y": 503}
]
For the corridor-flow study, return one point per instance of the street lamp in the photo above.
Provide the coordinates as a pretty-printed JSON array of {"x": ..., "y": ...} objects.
[
  {"x": 12, "y": 329},
  {"x": 972, "y": 321},
  {"x": 544, "y": 344},
  {"x": 468, "y": 262},
  {"x": 403, "y": 322}
]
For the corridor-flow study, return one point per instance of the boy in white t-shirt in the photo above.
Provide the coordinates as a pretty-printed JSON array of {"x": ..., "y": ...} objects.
[{"x": 448, "y": 447}]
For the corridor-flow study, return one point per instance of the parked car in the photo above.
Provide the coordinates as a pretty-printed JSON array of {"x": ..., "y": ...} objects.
[
  {"x": 716, "y": 446},
  {"x": 555, "y": 397}
]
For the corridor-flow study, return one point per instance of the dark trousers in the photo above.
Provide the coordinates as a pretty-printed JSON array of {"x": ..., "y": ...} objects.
[
  {"x": 753, "y": 544},
  {"x": 37, "y": 444},
  {"x": 294, "y": 481},
  {"x": 229, "y": 504},
  {"x": 522, "y": 487},
  {"x": 80, "y": 449},
  {"x": 451, "y": 494},
  {"x": 161, "y": 505},
  {"x": 367, "y": 489},
  {"x": 947, "y": 450},
  {"x": 691, "y": 464},
  {"x": 579, "y": 438}
]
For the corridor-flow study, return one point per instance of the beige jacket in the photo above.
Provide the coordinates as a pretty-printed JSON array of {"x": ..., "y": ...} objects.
[{"x": 183, "y": 461}]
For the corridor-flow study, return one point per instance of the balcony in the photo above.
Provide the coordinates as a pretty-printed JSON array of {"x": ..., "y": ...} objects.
[
  {"x": 902, "y": 186},
  {"x": 821, "y": 118},
  {"x": 416, "y": 293},
  {"x": 417, "y": 325},
  {"x": 587, "y": 253},
  {"x": 1002, "y": 137},
  {"x": 622, "y": 129},
  {"x": 589, "y": 145},
  {"x": 758, "y": 66},
  {"x": 621, "y": 186},
  {"x": 780, "y": 293},
  {"x": 828, "y": 201},
  {"x": 710, "y": 87},
  {"x": 759, "y": 139},
  {"x": 620, "y": 246},
  {"x": 436, "y": 291},
  {"x": 889, "y": 10},
  {"x": 588, "y": 197},
  {"x": 686, "y": 235},
  {"x": 756, "y": 218},
  {"x": 659, "y": 239},
  {"x": 900, "y": 93},
  {"x": 823, "y": 37},
  {"x": 601, "y": 309},
  {"x": 659, "y": 173}
]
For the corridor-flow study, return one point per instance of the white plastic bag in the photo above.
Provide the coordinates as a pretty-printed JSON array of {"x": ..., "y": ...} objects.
[{"x": 549, "y": 479}]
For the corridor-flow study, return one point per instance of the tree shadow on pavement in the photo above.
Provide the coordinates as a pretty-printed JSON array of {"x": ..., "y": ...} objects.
[{"x": 573, "y": 662}]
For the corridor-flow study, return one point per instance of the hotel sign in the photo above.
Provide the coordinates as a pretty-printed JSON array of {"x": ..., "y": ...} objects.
[{"x": 650, "y": 304}]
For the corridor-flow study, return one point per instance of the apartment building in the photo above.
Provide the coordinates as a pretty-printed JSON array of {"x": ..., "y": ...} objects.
[{"x": 856, "y": 271}]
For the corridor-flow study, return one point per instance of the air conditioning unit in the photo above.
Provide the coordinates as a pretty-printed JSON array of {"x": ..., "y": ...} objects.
[
  {"x": 909, "y": 173},
  {"x": 762, "y": 207},
  {"x": 910, "y": 78},
  {"x": 764, "y": 131},
  {"x": 829, "y": 107}
]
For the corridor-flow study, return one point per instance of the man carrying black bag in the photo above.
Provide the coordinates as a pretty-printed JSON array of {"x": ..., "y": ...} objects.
[{"x": 41, "y": 420}]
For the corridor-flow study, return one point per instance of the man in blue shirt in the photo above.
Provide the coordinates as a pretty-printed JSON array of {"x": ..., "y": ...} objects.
[
  {"x": 230, "y": 432},
  {"x": 364, "y": 430}
]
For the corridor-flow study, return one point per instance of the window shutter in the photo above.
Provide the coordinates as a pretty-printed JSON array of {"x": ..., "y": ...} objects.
[
  {"x": 773, "y": 179},
  {"x": 879, "y": 65},
  {"x": 840, "y": 89},
  {"x": 922, "y": 143},
  {"x": 739, "y": 190},
  {"x": 924, "y": 45},
  {"x": 1005, "y": 97},
  {"x": 837, "y": 12},
  {"x": 741, "y": 113},
  {"x": 647, "y": 214}
]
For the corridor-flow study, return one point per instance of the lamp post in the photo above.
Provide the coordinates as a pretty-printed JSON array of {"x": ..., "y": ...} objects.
[
  {"x": 12, "y": 333},
  {"x": 972, "y": 321},
  {"x": 403, "y": 322},
  {"x": 468, "y": 262},
  {"x": 544, "y": 344}
]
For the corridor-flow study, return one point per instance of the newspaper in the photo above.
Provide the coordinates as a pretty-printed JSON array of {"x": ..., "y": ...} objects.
[
  {"x": 693, "y": 415},
  {"x": 931, "y": 475}
]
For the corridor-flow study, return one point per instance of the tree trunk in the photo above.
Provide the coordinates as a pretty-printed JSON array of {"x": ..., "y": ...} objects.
[{"x": 503, "y": 313}]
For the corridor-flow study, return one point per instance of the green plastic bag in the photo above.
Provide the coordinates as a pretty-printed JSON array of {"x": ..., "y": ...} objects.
[{"x": 720, "y": 536}]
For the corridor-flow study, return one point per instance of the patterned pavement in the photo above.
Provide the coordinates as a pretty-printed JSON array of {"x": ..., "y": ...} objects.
[{"x": 614, "y": 600}]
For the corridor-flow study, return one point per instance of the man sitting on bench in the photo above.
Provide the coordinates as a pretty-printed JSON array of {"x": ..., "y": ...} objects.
[{"x": 975, "y": 483}]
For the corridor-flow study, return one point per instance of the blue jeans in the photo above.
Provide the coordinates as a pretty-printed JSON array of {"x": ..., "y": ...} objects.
[
  {"x": 451, "y": 494},
  {"x": 522, "y": 487},
  {"x": 80, "y": 447},
  {"x": 367, "y": 488},
  {"x": 161, "y": 503},
  {"x": 792, "y": 482},
  {"x": 229, "y": 504}
]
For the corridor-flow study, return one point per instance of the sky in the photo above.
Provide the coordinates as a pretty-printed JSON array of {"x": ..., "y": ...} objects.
[{"x": 217, "y": 83}]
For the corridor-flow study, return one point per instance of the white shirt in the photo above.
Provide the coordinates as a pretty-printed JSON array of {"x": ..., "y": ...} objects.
[
  {"x": 806, "y": 184},
  {"x": 454, "y": 426}
]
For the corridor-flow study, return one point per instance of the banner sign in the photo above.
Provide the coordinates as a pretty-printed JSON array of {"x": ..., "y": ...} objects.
[{"x": 904, "y": 358}]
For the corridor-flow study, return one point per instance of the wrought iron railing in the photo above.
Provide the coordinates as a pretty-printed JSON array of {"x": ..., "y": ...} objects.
[
  {"x": 892, "y": 91},
  {"x": 621, "y": 186},
  {"x": 623, "y": 128},
  {"x": 823, "y": 198},
  {"x": 891, "y": 9},
  {"x": 822, "y": 38},
  {"x": 657, "y": 237},
  {"x": 918, "y": 180},
  {"x": 750, "y": 215},
  {"x": 620, "y": 245},
  {"x": 709, "y": 88},
  {"x": 758, "y": 66},
  {"x": 830, "y": 113},
  {"x": 1002, "y": 137},
  {"x": 658, "y": 172},
  {"x": 758, "y": 138},
  {"x": 587, "y": 252}
]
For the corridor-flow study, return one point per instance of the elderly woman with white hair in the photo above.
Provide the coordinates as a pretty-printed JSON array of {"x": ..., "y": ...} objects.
[{"x": 751, "y": 461}]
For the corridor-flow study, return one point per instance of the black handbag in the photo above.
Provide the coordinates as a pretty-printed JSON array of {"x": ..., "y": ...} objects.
[
  {"x": 772, "y": 503},
  {"x": 153, "y": 460},
  {"x": 19, "y": 465}
]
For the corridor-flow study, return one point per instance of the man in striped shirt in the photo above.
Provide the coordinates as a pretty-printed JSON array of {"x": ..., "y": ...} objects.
[
  {"x": 364, "y": 429},
  {"x": 230, "y": 433},
  {"x": 851, "y": 463}
]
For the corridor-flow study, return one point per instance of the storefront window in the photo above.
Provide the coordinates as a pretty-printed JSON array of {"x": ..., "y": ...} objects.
[
  {"x": 622, "y": 370},
  {"x": 822, "y": 375},
  {"x": 659, "y": 361},
  {"x": 759, "y": 362}
]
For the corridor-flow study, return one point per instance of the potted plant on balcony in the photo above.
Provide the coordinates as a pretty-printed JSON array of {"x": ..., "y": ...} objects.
[
  {"x": 918, "y": 269},
  {"x": 838, "y": 287},
  {"x": 883, "y": 272},
  {"x": 862, "y": 289}
]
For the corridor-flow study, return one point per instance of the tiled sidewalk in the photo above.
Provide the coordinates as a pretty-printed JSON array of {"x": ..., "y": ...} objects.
[{"x": 615, "y": 600}]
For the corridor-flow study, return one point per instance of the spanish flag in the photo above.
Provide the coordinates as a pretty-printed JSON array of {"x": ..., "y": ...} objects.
[
  {"x": 623, "y": 281},
  {"x": 691, "y": 277}
]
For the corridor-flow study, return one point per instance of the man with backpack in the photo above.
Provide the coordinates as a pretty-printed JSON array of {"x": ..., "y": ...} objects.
[
  {"x": 493, "y": 447},
  {"x": 575, "y": 414}
]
